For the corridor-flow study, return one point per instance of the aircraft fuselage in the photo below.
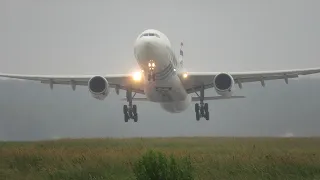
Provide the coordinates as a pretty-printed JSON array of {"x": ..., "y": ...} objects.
[{"x": 153, "y": 52}]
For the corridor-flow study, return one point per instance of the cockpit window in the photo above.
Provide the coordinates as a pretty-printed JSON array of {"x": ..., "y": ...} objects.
[{"x": 150, "y": 34}]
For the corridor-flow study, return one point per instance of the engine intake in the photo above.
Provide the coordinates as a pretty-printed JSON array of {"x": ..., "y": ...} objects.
[
  {"x": 223, "y": 84},
  {"x": 98, "y": 87}
]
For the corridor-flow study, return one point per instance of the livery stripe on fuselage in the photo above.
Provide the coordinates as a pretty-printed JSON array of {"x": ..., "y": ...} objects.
[
  {"x": 165, "y": 70},
  {"x": 165, "y": 73}
]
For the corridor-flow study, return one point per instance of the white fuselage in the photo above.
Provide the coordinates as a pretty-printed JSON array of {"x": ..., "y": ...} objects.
[{"x": 167, "y": 89}]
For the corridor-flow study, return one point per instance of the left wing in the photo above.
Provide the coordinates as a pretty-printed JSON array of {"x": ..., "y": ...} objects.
[
  {"x": 195, "y": 80},
  {"x": 117, "y": 81}
]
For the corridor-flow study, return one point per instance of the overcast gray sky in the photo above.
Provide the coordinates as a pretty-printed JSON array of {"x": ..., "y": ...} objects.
[{"x": 96, "y": 37}]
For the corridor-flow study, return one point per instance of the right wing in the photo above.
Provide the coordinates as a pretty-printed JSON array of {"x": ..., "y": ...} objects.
[
  {"x": 196, "y": 80},
  {"x": 117, "y": 81}
]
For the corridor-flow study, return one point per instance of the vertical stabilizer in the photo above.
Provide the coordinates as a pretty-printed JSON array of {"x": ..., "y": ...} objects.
[{"x": 181, "y": 55}]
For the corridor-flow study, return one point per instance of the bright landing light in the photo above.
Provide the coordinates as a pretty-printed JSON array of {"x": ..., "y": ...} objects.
[
  {"x": 137, "y": 76},
  {"x": 185, "y": 75}
]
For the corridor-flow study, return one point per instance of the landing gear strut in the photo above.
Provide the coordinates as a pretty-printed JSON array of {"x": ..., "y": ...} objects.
[
  {"x": 202, "y": 109},
  {"x": 151, "y": 74},
  {"x": 130, "y": 111}
]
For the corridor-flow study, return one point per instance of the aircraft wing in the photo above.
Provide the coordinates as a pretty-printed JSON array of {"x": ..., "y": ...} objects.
[
  {"x": 195, "y": 80},
  {"x": 194, "y": 98},
  {"x": 117, "y": 81}
]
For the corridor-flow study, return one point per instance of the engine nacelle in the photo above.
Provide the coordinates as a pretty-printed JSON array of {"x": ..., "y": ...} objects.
[
  {"x": 99, "y": 87},
  {"x": 223, "y": 84}
]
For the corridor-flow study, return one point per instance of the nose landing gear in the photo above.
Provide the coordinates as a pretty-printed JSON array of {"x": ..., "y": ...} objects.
[{"x": 151, "y": 74}]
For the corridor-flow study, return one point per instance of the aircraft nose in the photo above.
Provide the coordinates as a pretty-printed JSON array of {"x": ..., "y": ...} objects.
[
  {"x": 144, "y": 47},
  {"x": 144, "y": 43}
]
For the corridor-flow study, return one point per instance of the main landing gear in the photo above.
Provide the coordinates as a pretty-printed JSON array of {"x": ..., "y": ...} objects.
[
  {"x": 202, "y": 109},
  {"x": 130, "y": 111},
  {"x": 151, "y": 74}
]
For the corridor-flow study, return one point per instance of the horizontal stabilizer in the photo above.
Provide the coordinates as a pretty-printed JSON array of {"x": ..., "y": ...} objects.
[
  {"x": 195, "y": 98},
  {"x": 216, "y": 98},
  {"x": 136, "y": 99}
]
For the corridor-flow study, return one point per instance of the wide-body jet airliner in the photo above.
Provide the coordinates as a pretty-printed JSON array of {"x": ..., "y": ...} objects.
[{"x": 163, "y": 79}]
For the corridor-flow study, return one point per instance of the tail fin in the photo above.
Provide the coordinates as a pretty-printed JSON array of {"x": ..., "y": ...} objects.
[{"x": 181, "y": 55}]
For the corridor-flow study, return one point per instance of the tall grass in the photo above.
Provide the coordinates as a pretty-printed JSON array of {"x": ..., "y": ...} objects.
[
  {"x": 211, "y": 158},
  {"x": 157, "y": 166}
]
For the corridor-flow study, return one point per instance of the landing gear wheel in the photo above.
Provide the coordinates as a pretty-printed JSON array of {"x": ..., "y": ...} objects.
[
  {"x": 206, "y": 110},
  {"x": 197, "y": 116},
  {"x": 206, "y": 107},
  {"x": 126, "y": 117},
  {"x": 207, "y": 116},
  {"x": 135, "y": 118},
  {"x": 134, "y": 109},
  {"x": 196, "y": 107},
  {"x": 125, "y": 113},
  {"x": 125, "y": 109}
]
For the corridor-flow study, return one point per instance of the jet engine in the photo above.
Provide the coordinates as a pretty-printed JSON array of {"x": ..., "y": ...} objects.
[
  {"x": 223, "y": 84},
  {"x": 99, "y": 87}
]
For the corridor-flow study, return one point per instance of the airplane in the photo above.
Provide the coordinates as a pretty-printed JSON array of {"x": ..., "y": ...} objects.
[{"x": 164, "y": 79}]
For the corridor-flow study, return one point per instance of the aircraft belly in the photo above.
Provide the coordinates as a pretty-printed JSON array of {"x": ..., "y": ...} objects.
[{"x": 168, "y": 90}]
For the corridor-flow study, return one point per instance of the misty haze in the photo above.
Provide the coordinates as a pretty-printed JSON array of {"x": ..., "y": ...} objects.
[
  {"x": 68, "y": 37},
  {"x": 31, "y": 111}
]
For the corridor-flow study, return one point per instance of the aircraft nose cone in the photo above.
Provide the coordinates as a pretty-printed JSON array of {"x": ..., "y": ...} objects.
[
  {"x": 143, "y": 48},
  {"x": 144, "y": 43}
]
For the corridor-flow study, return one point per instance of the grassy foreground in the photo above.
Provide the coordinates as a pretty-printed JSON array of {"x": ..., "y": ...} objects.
[{"x": 212, "y": 158}]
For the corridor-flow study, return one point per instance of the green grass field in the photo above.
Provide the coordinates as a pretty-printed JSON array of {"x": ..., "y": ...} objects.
[{"x": 212, "y": 158}]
